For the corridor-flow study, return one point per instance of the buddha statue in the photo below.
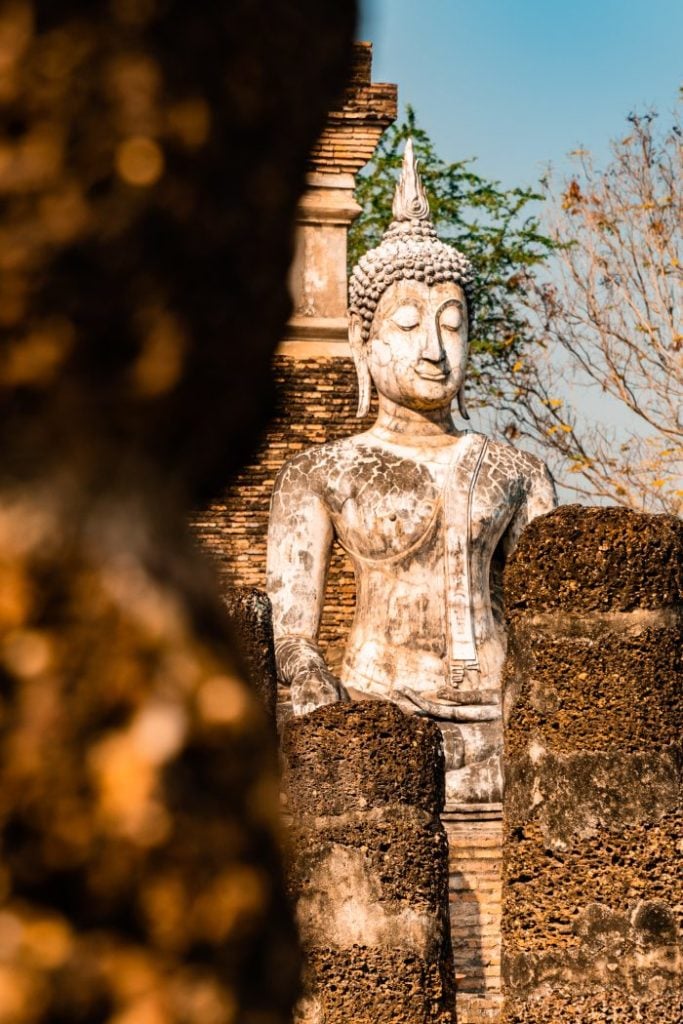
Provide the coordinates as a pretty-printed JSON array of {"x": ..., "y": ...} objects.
[{"x": 427, "y": 512}]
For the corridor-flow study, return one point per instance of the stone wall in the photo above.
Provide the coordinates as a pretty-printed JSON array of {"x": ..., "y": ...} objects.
[
  {"x": 369, "y": 865},
  {"x": 593, "y": 891}
]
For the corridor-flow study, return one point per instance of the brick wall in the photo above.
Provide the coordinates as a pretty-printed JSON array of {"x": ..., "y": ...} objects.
[
  {"x": 475, "y": 852},
  {"x": 355, "y": 125},
  {"x": 316, "y": 403}
]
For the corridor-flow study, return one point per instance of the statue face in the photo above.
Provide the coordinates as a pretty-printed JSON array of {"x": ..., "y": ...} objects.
[{"x": 417, "y": 349}]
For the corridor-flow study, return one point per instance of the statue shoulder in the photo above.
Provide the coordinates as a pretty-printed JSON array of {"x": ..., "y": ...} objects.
[
  {"x": 311, "y": 469},
  {"x": 517, "y": 463}
]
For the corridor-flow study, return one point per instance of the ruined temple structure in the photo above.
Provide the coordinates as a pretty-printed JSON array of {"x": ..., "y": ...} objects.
[
  {"x": 317, "y": 398},
  {"x": 593, "y": 887},
  {"x": 590, "y": 841}
]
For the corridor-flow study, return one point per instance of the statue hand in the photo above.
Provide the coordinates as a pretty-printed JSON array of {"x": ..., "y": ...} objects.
[
  {"x": 450, "y": 710},
  {"x": 301, "y": 664},
  {"x": 319, "y": 687}
]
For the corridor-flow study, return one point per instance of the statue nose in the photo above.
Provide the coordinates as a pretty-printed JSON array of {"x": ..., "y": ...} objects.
[{"x": 433, "y": 350}]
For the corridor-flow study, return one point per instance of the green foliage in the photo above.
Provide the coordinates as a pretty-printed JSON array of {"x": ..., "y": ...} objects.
[{"x": 494, "y": 227}]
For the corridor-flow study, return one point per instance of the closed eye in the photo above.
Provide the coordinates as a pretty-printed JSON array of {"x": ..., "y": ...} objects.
[
  {"x": 451, "y": 324},
  {"x": 450, "y": 316},
  {"x": 406, "y": 317}
]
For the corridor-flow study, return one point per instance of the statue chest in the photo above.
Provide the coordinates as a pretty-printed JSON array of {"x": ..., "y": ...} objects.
[{"x": 384, "y": 506}]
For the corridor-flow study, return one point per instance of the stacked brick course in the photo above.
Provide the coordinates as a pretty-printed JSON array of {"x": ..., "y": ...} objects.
[
  {"x": 475, "y": 892},
  {"x": 355, "y": 126}
]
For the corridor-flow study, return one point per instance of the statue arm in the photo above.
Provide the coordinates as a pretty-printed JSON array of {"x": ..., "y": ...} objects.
[
  {"x": 540, "y": 497},
  {"x": 299, "y": 543}
]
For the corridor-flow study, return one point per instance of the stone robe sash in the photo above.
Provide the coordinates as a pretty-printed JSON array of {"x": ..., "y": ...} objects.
[{"x": 461, "y": 481}]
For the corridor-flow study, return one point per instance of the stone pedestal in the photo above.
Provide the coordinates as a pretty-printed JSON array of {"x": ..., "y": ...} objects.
[
  {"x": 592, "y": 812},
  {"x": 369, "y": 865}
]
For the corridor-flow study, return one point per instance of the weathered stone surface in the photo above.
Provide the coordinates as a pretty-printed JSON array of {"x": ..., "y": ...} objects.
[
  {"x": 404, "y": 850},
  {"x": 570, "y": 670},
  {"x": 369, "y": 865},
  {"x": 575, "y": 796},
  {"x": 153, "y": 157},
  {"x": 251, "y": 618},
  {"x": 597, "y": 559},
  {"x": 377, "y": 986},
  {"x": 594, "y": 713},
  {"x": 355, "y": 757}
]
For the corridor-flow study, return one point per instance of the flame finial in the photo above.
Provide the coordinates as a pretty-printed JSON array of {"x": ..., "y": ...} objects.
[{"x": 410, "y": 202}]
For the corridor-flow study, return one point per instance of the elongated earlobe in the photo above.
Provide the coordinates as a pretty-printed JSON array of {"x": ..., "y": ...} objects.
[
  {"x": 461, "y": 403},
  {"x": 361, "y": 363},
  {"x": 364, "y": 388}
]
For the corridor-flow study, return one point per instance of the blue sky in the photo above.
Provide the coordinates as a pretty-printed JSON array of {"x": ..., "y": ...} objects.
[{"x": 519, "y": 83}]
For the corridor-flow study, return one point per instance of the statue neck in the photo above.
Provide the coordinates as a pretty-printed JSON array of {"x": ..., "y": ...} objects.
[{"x": 396, "y": 422}]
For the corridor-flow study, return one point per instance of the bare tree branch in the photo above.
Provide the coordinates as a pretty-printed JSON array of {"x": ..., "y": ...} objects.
[{"x": 611, "y": 317}]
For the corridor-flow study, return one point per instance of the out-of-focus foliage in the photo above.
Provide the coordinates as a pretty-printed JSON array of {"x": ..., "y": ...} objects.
[
  {"x": 612, "y": 316},
  {"x": 496, "y": 228},
  {"x": 134, "y": 226},
  {"x": 152, "y": 154}
]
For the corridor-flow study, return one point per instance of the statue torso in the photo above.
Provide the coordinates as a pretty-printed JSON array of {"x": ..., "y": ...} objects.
[
  {"x": 388, "y": 507},
  {"x": 427, "y": 529}
]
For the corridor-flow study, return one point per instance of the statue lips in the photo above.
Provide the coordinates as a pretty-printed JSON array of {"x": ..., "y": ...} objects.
[{"x": 432, "y": 373}]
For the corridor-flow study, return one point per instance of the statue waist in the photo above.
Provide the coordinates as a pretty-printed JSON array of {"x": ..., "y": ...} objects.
[{"x": 377, "y": 667}]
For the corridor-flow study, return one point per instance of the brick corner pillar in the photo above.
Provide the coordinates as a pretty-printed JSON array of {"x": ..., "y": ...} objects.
[
  {"x": 593, "y": 889},
  {"x": 318, "y": 277},
  {"x": 369, "y": 865}
]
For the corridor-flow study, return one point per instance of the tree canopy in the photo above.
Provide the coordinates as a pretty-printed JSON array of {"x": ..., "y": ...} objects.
[{"x": 577, "y": 344}]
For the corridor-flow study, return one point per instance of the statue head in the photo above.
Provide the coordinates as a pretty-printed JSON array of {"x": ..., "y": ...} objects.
[{"x": 410, "y": 304}]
